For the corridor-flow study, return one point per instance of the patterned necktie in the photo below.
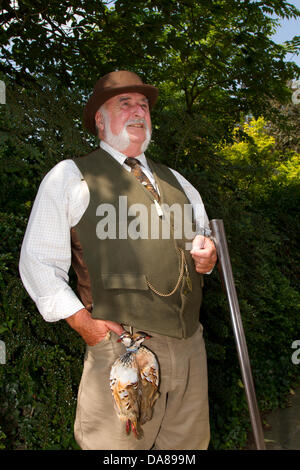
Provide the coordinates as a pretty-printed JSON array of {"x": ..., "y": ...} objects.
[{"x": 140, "y": 175}]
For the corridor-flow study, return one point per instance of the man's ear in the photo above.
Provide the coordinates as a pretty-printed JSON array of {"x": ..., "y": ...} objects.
[{"x": 99, "y": 120}]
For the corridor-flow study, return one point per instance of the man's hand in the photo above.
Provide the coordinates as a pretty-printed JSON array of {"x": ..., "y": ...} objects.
[
  {"x": 92, "y": 330},
  {"x": 204, "y": 254}
]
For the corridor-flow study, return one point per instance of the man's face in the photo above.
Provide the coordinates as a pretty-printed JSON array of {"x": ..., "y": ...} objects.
[{"x": 125, "y": 123}]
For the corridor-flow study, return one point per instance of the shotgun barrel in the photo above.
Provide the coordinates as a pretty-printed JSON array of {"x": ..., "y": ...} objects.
[{"x": 218, "y": 232}]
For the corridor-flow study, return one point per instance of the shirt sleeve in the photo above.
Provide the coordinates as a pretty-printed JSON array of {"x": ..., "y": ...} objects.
[
  {"x": 45, "y": 257},
  {"x": 201, "y": 219}
]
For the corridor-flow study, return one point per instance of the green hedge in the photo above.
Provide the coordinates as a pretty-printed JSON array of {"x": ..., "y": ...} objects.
[{"x": 39, "y": 382}]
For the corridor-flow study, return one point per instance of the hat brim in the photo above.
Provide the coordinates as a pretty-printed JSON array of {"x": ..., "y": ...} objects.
[{"x": 99, "y": 98}]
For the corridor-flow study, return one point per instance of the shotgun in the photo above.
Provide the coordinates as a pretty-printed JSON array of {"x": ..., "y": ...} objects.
[{"x": 219, "y": 237}]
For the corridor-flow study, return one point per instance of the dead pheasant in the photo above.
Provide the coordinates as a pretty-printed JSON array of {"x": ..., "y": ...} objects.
[
  {"x": 149, "y": 374},
  {"x": 125, "y": 387},
  {"x": 134, "y": 381}
]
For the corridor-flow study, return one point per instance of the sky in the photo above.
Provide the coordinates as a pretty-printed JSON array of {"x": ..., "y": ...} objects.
[{"x": 289, "y": 29}]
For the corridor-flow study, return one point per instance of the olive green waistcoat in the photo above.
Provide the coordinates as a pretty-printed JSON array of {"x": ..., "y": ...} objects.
[{"x": 135, "y": 269}]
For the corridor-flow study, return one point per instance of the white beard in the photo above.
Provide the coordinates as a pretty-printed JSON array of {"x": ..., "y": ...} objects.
[{"x": 122, "y": 140}]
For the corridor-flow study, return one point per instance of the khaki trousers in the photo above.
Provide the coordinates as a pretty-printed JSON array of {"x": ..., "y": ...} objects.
[{"x": 180, "y": 419}]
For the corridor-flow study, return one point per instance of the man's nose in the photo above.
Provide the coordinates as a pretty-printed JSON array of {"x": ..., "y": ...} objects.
[{"x": 138, "y": 110}]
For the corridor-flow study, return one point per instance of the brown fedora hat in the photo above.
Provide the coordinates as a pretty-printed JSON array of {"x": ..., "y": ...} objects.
[{"x": 115, "y": 83}]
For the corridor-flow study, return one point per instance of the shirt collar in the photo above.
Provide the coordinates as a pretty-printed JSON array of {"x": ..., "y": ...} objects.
[{"x": 120, "y": 157}]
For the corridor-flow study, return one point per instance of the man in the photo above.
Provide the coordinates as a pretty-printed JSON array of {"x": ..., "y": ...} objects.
[{"x": 126, "y": 279}]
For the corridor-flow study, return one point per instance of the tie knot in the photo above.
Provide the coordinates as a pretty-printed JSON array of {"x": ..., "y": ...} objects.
[
  {"x": 140, "y": 175},
  {"x": 132, "y": 162}
]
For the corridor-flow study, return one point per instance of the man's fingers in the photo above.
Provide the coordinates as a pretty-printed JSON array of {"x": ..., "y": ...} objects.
[
  {"x": 198, "y": 244},
  {"x": 115, "y": 327},
  {"x": 207, "y": 251},
  {"x": 204, "y": 254}
]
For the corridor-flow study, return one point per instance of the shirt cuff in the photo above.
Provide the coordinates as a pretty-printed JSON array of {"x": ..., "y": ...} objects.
[{"x": 59, "y": 306}]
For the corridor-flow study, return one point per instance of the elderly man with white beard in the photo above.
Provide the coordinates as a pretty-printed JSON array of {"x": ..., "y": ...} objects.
[{"x": 153, "y": 284}]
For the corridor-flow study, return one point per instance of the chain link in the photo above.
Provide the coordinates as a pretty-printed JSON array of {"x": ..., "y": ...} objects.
[{"x": 178, "y": 282}]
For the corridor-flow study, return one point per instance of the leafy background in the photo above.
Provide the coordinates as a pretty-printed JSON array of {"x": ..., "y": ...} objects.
[{"x": 225, "y": 120}]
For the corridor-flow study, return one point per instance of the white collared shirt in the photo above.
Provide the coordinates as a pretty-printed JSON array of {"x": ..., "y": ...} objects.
[{"x": 62, "y": 199}]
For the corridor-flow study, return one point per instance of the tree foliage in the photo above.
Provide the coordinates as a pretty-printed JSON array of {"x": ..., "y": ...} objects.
[{"x": 216, "y": 46}]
